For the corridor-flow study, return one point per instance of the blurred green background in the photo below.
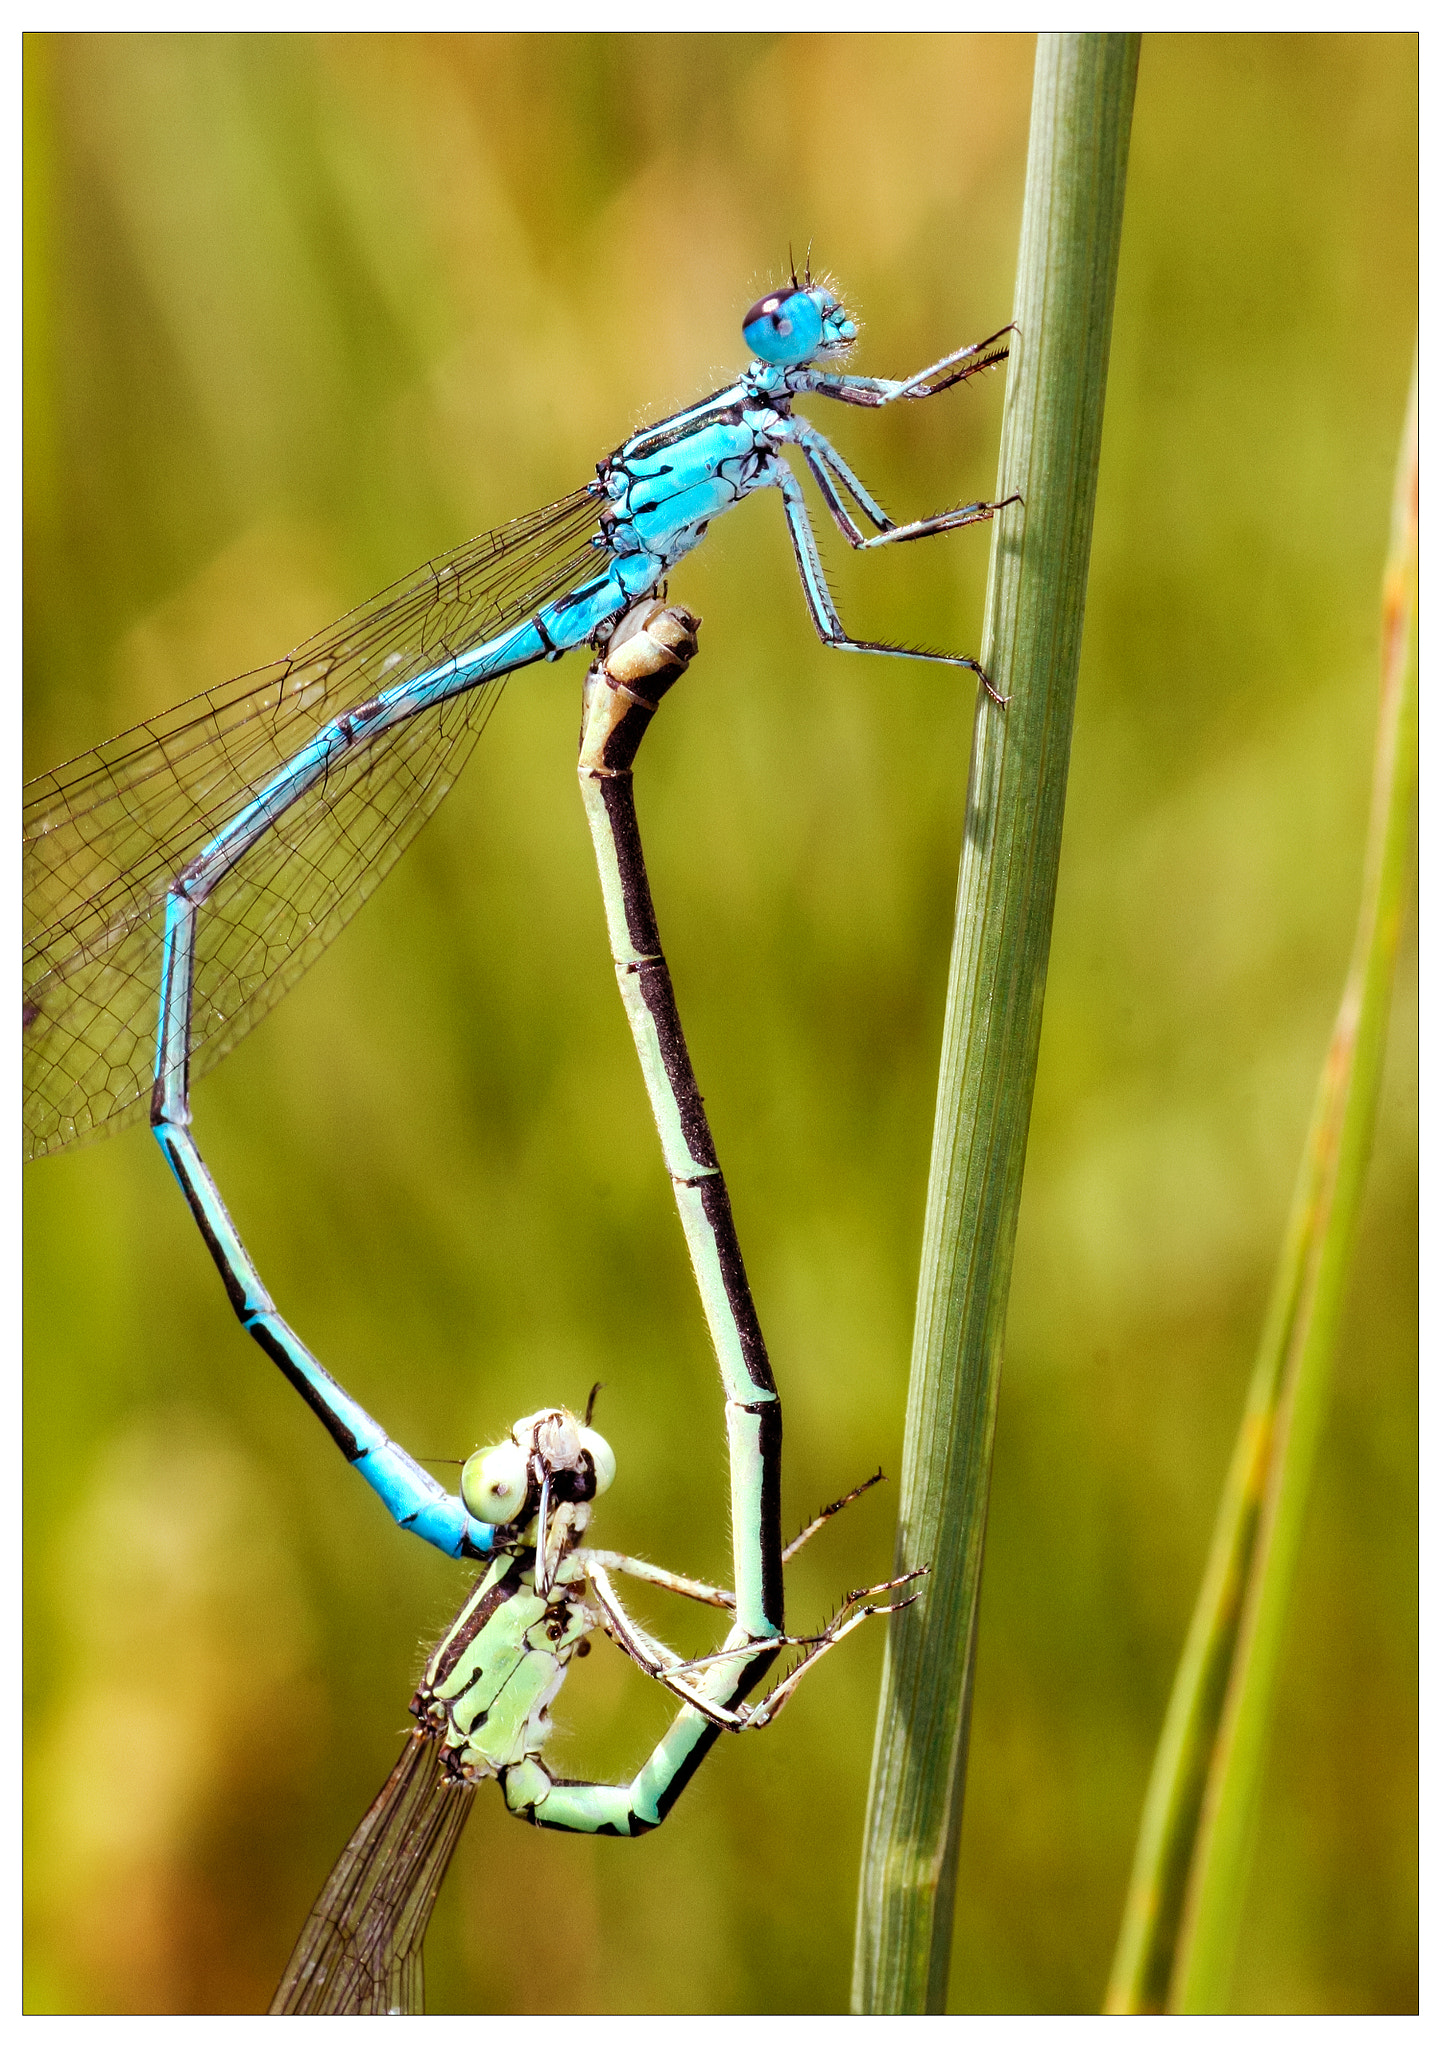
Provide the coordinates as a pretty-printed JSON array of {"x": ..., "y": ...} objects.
[{"x": 301, "y": 312}]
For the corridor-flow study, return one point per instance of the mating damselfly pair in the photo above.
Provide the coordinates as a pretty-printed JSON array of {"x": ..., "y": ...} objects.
[{"x": 181, "y": 877}]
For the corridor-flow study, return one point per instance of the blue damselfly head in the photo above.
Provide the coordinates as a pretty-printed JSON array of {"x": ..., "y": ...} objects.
[{"x": 798, "y": 324}]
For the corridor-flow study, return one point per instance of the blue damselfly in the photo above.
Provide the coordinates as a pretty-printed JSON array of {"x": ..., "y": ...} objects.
[{"x": 181, "y": 877}]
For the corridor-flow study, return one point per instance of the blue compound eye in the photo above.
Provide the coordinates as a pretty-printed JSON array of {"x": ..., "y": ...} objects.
[{"x": 783, "y": 327}]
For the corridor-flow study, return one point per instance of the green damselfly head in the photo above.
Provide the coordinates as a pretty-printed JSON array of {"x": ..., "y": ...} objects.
[
  {"x": 798, "y": 324},
  {"x": 551, "y": 1453}
]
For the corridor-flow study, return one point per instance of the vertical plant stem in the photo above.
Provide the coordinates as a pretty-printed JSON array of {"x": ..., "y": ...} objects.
[
  {"x": 1183, "y": 1907},
  {"x": 1035, "y": 604},
  {"x": 1302, "y": 1328}
]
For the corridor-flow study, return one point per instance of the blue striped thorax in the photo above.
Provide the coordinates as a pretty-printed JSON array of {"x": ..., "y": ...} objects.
[{"x": 666, "y": 483}]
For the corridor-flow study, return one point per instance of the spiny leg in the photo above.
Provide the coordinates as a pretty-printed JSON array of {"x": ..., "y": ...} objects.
[
  {"x": 942, "y": 522},
  {"x": 819, "y": 1521},
  {"x": 961, "y": 363},
  {"x": 656, "y": 1575},
  {"x": 698, "y": 1589},
  {"x": 830, "y": 469},
  {"x": 822, "y": 607},
  {"x": 659, "y": 1662},
  {"x": 674, "y": 1672},
  {"x": 765, "y": 1710}
]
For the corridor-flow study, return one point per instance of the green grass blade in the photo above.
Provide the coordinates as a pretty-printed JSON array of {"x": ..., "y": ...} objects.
[
  {"x": 1183, "y": 1909},
  {"x": 1035, "y": 604}
]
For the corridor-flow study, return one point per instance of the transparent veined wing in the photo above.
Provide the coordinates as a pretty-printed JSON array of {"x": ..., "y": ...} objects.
[
  {"x": 360, "y": 1950},
  {"x": 108, "y": 833}
]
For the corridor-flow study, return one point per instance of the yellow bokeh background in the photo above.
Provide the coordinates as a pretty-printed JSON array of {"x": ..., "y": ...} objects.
[{"x": 302, "y": 312}]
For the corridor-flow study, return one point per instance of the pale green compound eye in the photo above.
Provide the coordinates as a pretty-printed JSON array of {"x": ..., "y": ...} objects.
[
  {"x": 601, "y": 1456},
  {"x": 494, "y": 1483}
]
